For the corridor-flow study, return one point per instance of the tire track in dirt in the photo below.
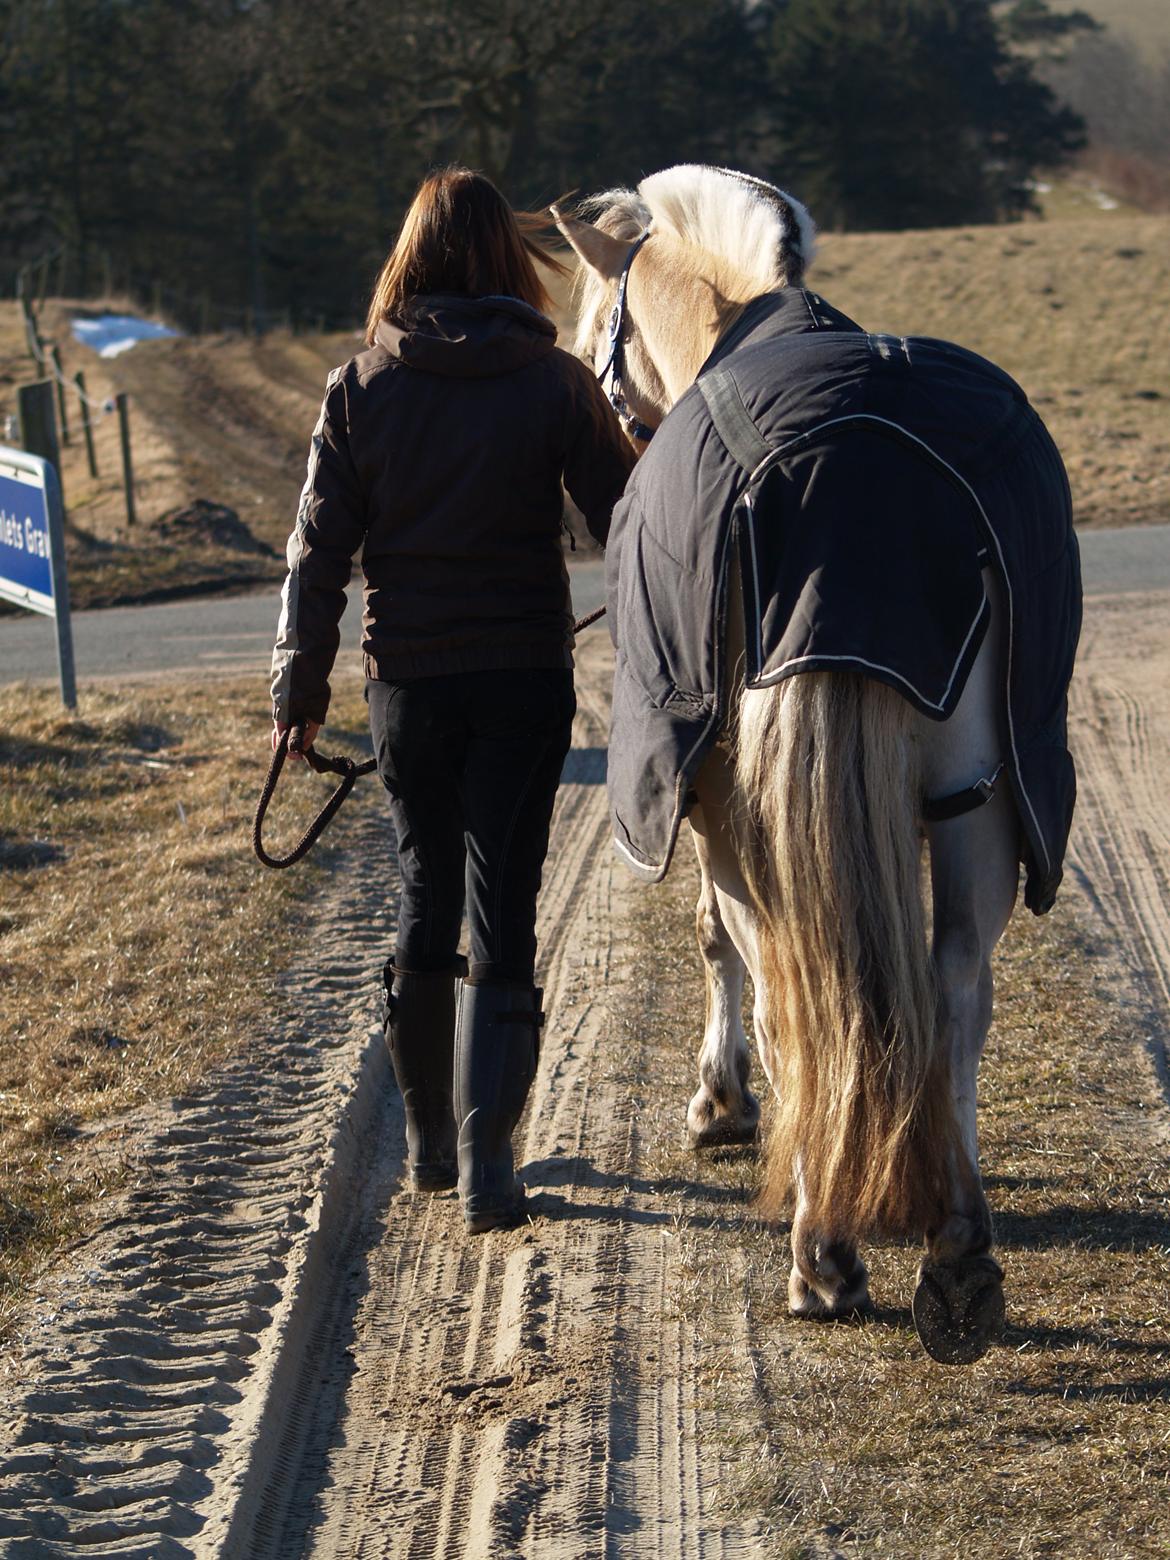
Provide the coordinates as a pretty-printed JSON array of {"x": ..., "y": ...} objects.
[
  {"x": 1120, "y": 846},
  {"x": 152, "y": 1374}
]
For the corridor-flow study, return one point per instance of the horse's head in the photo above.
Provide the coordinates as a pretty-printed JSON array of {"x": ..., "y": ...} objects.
[{"x": 715, "y": 239}]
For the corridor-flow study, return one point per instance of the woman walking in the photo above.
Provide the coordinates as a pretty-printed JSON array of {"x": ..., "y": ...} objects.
[{"x": 439, "y": 456}]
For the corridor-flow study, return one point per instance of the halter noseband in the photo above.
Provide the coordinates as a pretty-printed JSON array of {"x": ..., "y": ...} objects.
[{"x": 615, "y": 362}]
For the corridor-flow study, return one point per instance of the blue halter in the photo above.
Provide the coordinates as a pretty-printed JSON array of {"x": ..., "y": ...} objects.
[{"x": 615, "y": 362}]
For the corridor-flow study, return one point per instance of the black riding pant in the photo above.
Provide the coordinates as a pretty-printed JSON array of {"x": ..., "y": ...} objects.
[{"x": 471, "y": 761}]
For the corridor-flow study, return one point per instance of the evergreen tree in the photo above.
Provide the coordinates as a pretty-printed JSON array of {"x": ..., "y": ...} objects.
[
  {"x": 260, "y": 152},
  {"x": 908, "y": 113}
]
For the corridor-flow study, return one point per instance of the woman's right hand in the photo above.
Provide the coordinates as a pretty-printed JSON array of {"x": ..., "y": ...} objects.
[{"x": 279, "y": 727}]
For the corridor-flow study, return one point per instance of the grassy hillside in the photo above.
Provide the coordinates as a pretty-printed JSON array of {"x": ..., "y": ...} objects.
[
  {"x": 224, "y": 419},
  {"x": 1144, "y": 22},
  {"x": 1077, "y": 311}
]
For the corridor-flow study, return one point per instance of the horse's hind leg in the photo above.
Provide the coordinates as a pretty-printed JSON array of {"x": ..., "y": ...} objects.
[
  {"x": 958, "y": 1308},
  {"x": 724, "y": 1110},
  {"x": 828, "y": 1280}
]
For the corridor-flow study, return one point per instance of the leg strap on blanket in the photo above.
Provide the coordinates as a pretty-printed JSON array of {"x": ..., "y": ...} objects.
[{"x": 959, "y": 802}]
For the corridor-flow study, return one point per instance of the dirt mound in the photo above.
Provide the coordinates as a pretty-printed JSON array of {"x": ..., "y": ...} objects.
[{"x": 216, "y": 524}]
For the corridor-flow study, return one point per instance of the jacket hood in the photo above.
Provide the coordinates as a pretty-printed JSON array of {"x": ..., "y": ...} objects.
[{"x": 467, "y": 338}]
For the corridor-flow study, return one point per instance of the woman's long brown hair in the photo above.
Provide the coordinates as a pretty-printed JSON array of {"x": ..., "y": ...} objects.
[{"x": 461, "y": 236}]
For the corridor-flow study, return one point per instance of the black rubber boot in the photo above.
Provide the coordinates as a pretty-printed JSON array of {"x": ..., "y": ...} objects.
[
  {"x": 419, "y": 1020},
  {"x": 497, "y": 1043}
]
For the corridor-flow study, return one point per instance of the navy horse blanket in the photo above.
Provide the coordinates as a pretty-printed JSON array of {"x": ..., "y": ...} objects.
[{"x": 858, "y": 485}]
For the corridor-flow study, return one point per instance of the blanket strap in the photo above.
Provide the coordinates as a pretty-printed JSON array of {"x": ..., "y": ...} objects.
[
  {"x": 941, "y": 808},
  {"x": 744, "y": 441}
]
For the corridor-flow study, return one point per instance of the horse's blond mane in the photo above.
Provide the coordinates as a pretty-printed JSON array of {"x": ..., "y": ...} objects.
[{"x": 749, "y": 224}]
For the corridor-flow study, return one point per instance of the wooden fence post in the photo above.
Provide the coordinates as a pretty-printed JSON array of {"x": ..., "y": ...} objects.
[
  {"x": 38, "y": 427},
  {"x": 31, "y": 335},
  {"x": 59, "y": 381},
  {"x": 86, "y": 424},
  {"x": 122, "y": 402}
]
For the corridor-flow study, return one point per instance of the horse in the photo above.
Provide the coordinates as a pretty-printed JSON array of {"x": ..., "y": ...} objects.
[{"x": 808, "y": 495}]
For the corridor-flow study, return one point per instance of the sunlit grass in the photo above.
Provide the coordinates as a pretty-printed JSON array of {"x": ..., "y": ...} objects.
[
  {"x": 140, "y": 940},
  {"x": 846, "y": 1439}
]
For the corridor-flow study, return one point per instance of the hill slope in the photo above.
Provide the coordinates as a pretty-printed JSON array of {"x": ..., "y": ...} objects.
[
  {"x": 1143, "y": 22},
  {"x": 1078, "y": 311}
]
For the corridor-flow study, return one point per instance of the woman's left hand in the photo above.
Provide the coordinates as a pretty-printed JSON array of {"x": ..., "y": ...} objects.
[{"x": 279, "y": 728}]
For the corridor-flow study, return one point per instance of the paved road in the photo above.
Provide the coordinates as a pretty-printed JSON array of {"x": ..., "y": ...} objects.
[
  {"x": 207, "y": 634},
  {"x": 234, "y": 633}
]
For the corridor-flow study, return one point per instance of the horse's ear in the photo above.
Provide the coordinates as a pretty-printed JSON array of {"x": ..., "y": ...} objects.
[{"x": 600, "y": 251}]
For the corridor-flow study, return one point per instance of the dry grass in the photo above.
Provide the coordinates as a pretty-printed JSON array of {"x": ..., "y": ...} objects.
[
  {"x": 845, "y": 1440},
  {"x": 1078, "y": 311},
  {"x": 1144, "y": 22},
  {"x": 139, "y": 938}
]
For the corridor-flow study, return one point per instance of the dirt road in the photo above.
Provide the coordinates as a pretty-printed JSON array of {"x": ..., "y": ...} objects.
[
  {"x": 1121, "y": 844},
  {"x": 271, "y": 1350},
  {"x": 340, "y": 1371}
]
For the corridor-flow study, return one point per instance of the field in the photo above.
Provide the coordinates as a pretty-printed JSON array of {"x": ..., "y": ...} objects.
[
  {"x": 1076, "y": 308},
  {"x": 1144, "y": 22},
  {"x": 221, "y": 1314}
]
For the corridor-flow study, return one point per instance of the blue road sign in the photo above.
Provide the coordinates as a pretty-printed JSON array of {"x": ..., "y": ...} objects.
[
  {"x": 32, "y": 549},
  {"x": 26, "y": 570}
]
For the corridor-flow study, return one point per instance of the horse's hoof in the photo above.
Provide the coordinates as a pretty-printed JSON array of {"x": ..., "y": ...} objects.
[
  {"x": 723, "y": 1132},
  {"x": 958, "y": 1309},
  {"x": 710, "y": 1128},
  {"x": 849, "y": 1305}
]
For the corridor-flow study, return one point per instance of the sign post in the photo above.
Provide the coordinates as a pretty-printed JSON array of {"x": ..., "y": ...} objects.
[{"x": 32, "y": 550}]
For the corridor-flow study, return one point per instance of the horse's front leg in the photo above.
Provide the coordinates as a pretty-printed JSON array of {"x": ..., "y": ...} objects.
[
  {"x": 724, "y": 1110},
  {"x": 958, "y": 1306}
]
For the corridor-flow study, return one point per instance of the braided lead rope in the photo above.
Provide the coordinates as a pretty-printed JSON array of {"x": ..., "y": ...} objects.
[
  {"x": 590, "y": 617},
  {"x": 345, "y": 767}
]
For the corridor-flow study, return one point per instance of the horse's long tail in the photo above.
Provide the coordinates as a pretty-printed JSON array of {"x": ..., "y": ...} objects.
[{"x": 830, "y": 845}]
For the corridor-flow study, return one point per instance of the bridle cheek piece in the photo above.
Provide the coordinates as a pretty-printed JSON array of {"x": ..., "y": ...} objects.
[{"x": 615, "y": 361}]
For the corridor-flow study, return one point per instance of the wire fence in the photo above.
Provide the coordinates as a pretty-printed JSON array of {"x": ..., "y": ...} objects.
[
  {"x": 61, "y": 272},
  {"x": 46, "y": 407}
]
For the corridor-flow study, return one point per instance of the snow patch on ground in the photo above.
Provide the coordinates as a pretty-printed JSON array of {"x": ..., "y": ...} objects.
[{"x": 110, "y": 334}]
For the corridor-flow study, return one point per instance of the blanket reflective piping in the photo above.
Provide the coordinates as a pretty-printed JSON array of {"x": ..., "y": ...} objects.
[
  {"x": 645, "y": 865},
  {"x": 819, "y": 662},
  {"x": 287, "y": 639}
]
